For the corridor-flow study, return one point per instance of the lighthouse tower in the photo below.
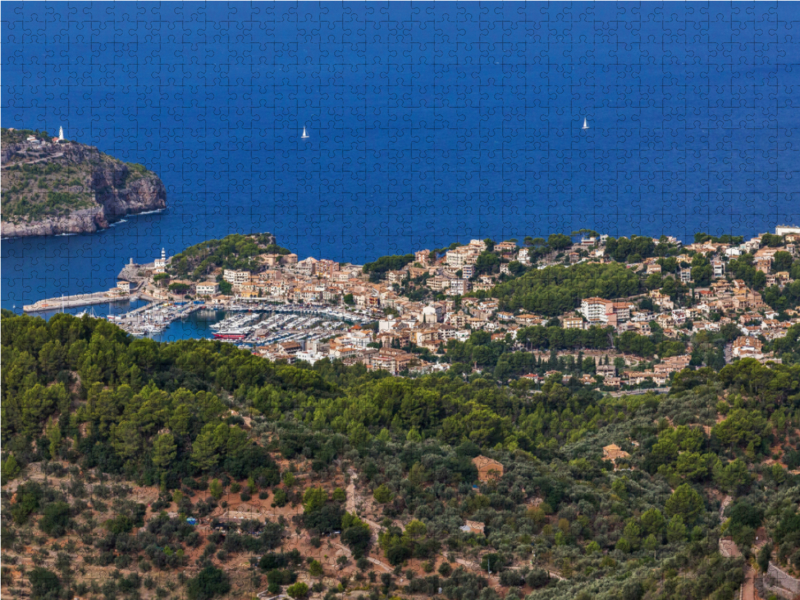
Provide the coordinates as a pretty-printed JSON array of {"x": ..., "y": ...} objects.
[
  {"x": 60, "y": 134},
  {"x": 160, "y": 265}
]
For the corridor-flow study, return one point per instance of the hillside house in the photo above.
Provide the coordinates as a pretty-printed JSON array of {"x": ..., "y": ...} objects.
[
  {"x": 613, "y": 453},
  {"x": 488, "y": 468}
]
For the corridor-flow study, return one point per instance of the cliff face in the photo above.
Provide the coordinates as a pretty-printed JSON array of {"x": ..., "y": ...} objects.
[{"x": 51, "y": 187}]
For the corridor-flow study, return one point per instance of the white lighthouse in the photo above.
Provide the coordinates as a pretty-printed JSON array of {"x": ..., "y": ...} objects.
[
  {"x": 60, "y": 134},
  {"x": 160, "y": 265}
]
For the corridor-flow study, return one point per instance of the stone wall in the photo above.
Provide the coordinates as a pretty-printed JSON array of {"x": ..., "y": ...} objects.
[{"x": 777, "y": 581}]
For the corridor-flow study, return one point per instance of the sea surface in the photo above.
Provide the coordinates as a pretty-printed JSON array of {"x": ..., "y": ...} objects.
[{"x": 428, "y": 123}]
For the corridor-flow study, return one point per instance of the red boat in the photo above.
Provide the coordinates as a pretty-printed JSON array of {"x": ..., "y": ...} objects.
[{"x": 230, "y": 336}]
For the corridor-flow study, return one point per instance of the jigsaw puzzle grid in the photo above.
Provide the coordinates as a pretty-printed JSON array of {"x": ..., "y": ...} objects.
[{"x": 428, "y": 123}]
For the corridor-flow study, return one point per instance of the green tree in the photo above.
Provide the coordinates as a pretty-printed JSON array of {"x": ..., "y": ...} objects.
[
  {"x": 686, "y": 503},
  {"x": 11, "y": 468},
  {"x": 782, "y": 261},
  {"x": 314, "y": 499},
  {"x": 415, "y": 530},
  {"x": 55, "y": 519},
  {"x": 208, "y": 583},
  {"x": 54, "y": 436},
  {"x": 315, "y": 568},
  {"x": 297, "y": 590},
  {"x": 45, "y": 584},
  {"x": 652, "y": 522},
  {"x": 732, "y": 477},
  {"x": 632, "y": 533},
  {"x": 559, "y": 241},
  {"x": 215, "y": 489},
  {"x": 676, "y": 530},
  {"x": 356, "y": 534},
  {"x": 383, "y": 494},
  {"x": 764, "y": 556},
  {"x": 164, "y": 450},
  {"x": 206, "y": 446},
  {"x": 650, "y": 543}
]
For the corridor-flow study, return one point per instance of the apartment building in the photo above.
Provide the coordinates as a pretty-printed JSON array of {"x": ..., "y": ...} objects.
[
  {"x": 207, "y": 288},
  {"x": 595, "y": 309},
  {"x": 236, "y": 277}
]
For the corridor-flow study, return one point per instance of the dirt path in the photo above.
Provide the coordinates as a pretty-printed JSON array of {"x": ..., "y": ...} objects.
[
  {"x": 728, "y": 548},
  {"x": 38, "y": 160},
  {"x": 749, "y": 585},
  {"x": 723, "y": 505}
]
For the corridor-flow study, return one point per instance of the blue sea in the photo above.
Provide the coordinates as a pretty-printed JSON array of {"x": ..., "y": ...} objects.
[{"x": 428, "y": 123}]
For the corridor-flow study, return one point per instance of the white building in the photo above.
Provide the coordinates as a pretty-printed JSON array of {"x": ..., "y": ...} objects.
[
  {"x": 786, "y": 229},
  {"x": 459, "y": 287},
  {"x": 207, "y": 288},
  {"x": 595, "y": 309},
  {"x": 429, "y": 315},
  {"x": 236, "y": 277}
]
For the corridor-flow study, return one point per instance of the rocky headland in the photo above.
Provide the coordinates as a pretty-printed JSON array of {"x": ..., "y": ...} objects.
[{"x": 52, "y": 186}]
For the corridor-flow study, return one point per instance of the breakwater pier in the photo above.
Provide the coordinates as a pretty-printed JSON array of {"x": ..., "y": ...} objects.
[{"x": 79, "y": 300}]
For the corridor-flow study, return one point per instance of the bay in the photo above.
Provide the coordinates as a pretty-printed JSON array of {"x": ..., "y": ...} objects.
[{"x": 428, "y": 123}]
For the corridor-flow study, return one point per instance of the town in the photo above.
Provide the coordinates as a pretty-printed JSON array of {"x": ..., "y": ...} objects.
[{"x": 423, "y": 312}]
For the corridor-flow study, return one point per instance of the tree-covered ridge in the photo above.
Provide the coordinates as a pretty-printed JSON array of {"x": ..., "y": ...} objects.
[
  {"x": 388, "y": 263},
  {"x": 231, "y": 252},
  {"x": 557, "y": 289},
  {"x": 204, "y": 422}
]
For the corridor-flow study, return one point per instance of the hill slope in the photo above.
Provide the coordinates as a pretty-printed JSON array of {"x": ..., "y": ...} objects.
[
  {"x": 66, "y": 187},
  {"x": 133, "y": 469}
]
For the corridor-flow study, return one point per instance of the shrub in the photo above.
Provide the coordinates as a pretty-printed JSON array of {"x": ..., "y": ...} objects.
[
  {"x": 537, "y": 578},
  {"x": 383, "y": 494},
  {"x": 55, "y": 519},
  {"x": 209, "y": 582},
  {"x": 297, "y": 590},
  {"x": 45, "y": 584}
]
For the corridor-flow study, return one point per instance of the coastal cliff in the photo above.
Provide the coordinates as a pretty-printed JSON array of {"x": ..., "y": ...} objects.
[{"x": 52, "y": 186}]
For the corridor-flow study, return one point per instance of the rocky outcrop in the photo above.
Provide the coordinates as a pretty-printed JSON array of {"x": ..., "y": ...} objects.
[
  {"x": 80, "y": 221},
  {"x": 98, "y": 189}
]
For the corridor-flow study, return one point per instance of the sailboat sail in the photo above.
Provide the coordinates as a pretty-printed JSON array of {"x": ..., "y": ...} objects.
[{"x": 585, "y": 124}]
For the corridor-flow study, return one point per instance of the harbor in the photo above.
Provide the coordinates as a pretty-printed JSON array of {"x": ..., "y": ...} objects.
[
  {"x": 243, "y": 323},
  {"x": 154, "y": 318}
]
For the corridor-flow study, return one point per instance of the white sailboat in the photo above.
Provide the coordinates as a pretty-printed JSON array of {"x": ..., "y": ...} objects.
[
  {"x": 305, "y": 136},
  {"x": 585, "y": 124}
]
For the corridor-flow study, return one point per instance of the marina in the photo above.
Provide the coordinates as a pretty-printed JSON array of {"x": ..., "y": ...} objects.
[
  {"x": 154, "y": 318},
  {"x": 236, "y": 322}
]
